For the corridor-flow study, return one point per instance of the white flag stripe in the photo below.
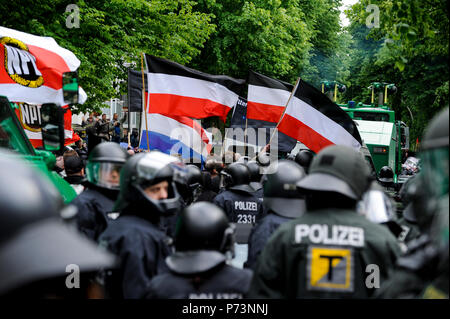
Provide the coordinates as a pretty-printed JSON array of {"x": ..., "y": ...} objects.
[
  {"x": 187, "y": 135},
  {"x": 40, "y": 95},
  {"x": 265, "y": 95},
  {"x": 320, "y": 123},
  {"x": 191, "y": 87},
  {"x": 38, "y": 135},
  {"x": 46, "y": 43}
]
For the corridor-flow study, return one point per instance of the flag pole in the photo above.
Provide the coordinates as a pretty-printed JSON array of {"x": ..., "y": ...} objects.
[
  {"x": 245, "y": 136},
  {"x": 284, "y": 111},
  {"x": 143, "y": 103}
]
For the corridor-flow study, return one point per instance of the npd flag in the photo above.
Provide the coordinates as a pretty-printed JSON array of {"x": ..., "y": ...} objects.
[
  {"x": 313, "y": 119},
  {"x": 31, "y": 68},
  {"x": 176, "y": 90}
]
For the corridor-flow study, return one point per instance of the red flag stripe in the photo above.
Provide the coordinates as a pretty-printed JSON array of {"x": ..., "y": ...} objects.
[
  {"x": 264, "y": 112},
  {"x": 176, "y": 105},
  {"x": 191, "y": 123},
  {"x": 294, "y": 128},
  {"x": 318, "y": 122}
]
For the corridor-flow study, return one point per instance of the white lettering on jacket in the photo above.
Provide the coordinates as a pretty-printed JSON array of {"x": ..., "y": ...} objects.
[{"x": 338, "y": 235}]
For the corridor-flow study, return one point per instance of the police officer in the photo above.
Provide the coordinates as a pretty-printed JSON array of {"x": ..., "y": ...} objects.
[
  {"x": 147, "y": 192},
  {"x": 36, "y": 248},
  {"x": 304, "y": 159},
  {"x": 423, "y": 271},
  {"x": 411, "y": 195},
  {"x": 189, "y": 187},
  {"x": 282, "y": 202},
  {"x": 386, "y": 180},
  {"x": 198, "y": 268},
  {"x": 239, "y": 201},
  {"x": 207, "y": 194},
  {"x": 326, "y": 252},
  {"x": 194, "y": 182},
  {"x": 255, "y": 178},
  {"x": 102, "y": 188}
]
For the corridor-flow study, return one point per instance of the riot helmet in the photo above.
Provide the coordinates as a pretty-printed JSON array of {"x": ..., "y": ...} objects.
[
  {"x": 386, "y": 175},
  {"x": 378, "y": 207},
  {"x": 304, "y": 158},
  {"x": 147, "y": 185},
  {"x": 255, "y": 174},
  {"x": 337, "y": 169},
  {"x": 193, "y": 183},
  {"x": 104, "y": 164},
  {"x": 35, "y": 245},
  {"x": 280, "y": 192},
  {"x": 203, "y": 237},
  {"x": 236, "y": 176}
]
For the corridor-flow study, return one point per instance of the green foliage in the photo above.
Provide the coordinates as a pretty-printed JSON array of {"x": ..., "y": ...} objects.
[
  {"x": 409, "y": 49},
  {"x": 112, "y": 33},
  {"x": 267, "y": 36}
]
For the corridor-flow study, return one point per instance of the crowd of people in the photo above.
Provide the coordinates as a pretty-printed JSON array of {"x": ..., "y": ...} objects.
[
  {"x": 101, "y": 129},
  {"x": 149, "y": 225}
]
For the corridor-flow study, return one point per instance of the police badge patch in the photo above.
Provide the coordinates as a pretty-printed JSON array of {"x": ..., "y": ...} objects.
[{"x": 330, "y": 269}]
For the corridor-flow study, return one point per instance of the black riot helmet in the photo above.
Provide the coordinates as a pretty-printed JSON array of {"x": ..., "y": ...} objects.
[
  {"x": 386, "y": 175},
  {"x": 35, "y": 245},
  {"x": 193, "y": 182},
  {"x": 280, "y": 191},
  {"x": 236, "y": 176},
  {"x": 104, "y": 164},
  {"x": 255, "y": 174},
  {"x": 193, "y": 176},
  {"x": 337, "y": 169},
  {"x": 203, "y": 236},
  {"x": 304, "y": 159},
  {"x": 141, "y": 172}
]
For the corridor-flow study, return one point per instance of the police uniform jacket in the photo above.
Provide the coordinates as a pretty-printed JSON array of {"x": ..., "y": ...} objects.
[
  {"x": 221, "y": 282},
  {"x": 260, "y": 235},
  {"x": 141, "y": 247},
  {"x": 93, "y": 206},
  {"x": 240, "y": 207},
  {"x": 328, "y": 253}
]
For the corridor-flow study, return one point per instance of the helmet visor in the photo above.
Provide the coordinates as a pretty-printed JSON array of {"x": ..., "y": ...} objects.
[
  {"x": 377, "y": 207},
  {"x": 104, "y": 174}
]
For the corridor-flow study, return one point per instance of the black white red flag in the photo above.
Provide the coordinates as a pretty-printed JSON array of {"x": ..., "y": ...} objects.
[
  {"x": 266, "y": 100},
  {"x": 181, "y": 91},
  {"x": 313, "y": 119}
]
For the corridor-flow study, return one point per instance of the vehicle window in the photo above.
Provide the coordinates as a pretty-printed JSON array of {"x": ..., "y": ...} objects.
[{"x": 366, "y": 116}]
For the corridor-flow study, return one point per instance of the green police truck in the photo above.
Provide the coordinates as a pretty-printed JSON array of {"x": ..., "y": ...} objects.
[{"x": 385, "y": 137}]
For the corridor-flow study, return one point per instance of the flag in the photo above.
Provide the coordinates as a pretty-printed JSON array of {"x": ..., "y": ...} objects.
[
  {"x": 29, "y": 116},
  {"x": 266, "y": 101},
  {"x": 176, "y": 135},
  {"x": 182, "y": 91},
  {"x": 31, "y": 68},
  {"x": 313, "y": 119},
  {"x": 135, "y": 90}
]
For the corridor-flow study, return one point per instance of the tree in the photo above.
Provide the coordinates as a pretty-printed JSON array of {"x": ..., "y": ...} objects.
[
  {"x": 112, "y": 33},
  {"x": 409, "y": 49}
]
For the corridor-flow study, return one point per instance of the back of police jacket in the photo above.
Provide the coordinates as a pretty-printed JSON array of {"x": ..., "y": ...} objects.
[
  {"x": 260, "y": 235},
  {"x": 142, "y": 248},
  {"x": 328, "y": 253},
  {"x": 240, "y": 207},
  {"x": 221, "y": 282},
  {"x": 94, "y": 205}
]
